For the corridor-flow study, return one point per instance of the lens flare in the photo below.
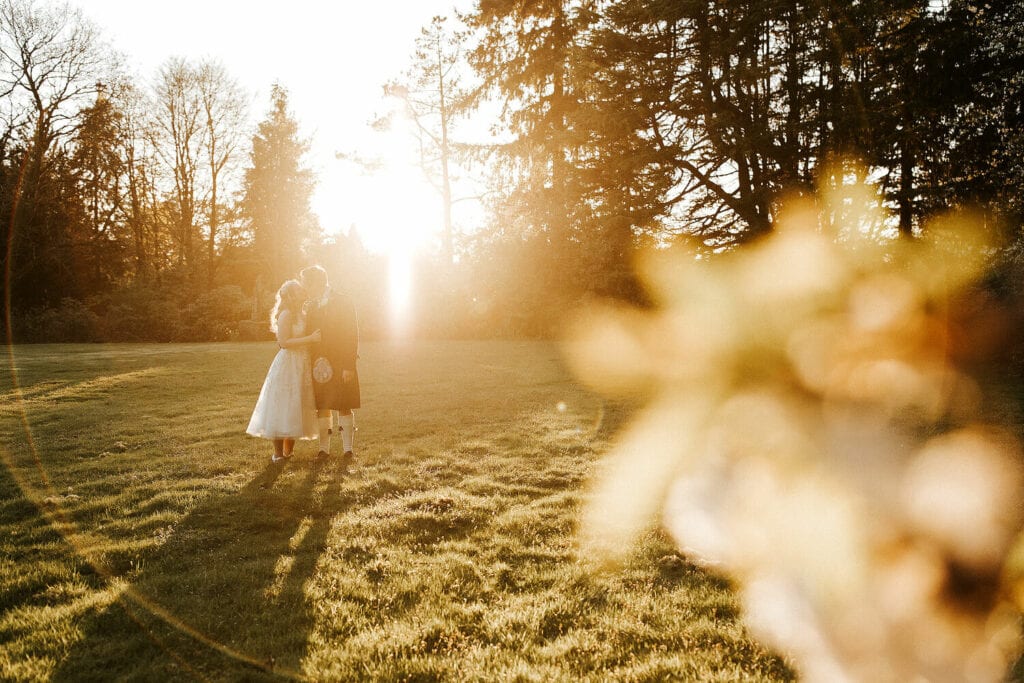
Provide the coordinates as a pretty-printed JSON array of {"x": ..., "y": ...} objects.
[{"x": 400, "y": 280}]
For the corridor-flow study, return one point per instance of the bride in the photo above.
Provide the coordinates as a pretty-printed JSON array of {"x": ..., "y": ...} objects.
[{"x": 286, "y": 408}]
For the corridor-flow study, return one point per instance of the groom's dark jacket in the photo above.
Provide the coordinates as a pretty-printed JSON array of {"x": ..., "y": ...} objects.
[{"x": 335, "y": 316}]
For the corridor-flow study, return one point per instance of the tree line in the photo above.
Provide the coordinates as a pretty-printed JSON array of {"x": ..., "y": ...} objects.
[
  {"x": 690, "y": 121},
  {"x": 136, "y": 210},
  {"x": 618, "y": 125}
]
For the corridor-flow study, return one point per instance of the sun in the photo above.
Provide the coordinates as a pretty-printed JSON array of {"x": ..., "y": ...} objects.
[
  {"x": 394, "y": 209},
  {"x": 391, "y": 205}
]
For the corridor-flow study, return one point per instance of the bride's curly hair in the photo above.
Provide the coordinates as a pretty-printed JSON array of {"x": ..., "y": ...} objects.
[{"x": 290, "y": 297}]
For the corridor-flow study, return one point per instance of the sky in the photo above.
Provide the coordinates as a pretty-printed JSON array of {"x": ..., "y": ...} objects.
[{"x": 333, "y": 58}]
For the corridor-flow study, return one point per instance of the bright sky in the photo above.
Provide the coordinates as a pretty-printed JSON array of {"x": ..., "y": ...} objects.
[{"x": 333, "y": 58}]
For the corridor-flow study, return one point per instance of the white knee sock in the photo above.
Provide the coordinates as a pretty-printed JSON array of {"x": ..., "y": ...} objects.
[
  {"x": 324, "y": 423},
  {"x": 347, "y": 425}
]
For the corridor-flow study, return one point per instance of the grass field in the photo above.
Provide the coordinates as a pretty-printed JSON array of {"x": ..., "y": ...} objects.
[{"x": 144, "y": 537}]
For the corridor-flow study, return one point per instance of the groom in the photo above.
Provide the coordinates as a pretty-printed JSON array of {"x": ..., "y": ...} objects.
[{"x": 335, "y": 380}]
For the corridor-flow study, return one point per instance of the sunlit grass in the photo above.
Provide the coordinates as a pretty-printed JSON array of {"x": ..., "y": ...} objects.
[{"x": 143, "y": 536}]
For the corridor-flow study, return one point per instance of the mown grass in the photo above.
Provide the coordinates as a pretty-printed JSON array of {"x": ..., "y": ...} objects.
[{"x": 143, "y": 536}]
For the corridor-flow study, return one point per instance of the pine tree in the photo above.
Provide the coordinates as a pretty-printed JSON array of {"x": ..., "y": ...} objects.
[
  {"x": 98, "y": 165},
  {"x": 983, "y": 59},
  {"x": 530, "y": 58},
  {"x": 277, "y": 193}
]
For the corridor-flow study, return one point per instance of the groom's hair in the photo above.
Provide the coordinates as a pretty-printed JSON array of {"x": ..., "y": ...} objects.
[{"x": 314, "y": 274}]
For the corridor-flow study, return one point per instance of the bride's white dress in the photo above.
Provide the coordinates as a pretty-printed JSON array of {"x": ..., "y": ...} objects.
[{"x": 286, "y": 408}]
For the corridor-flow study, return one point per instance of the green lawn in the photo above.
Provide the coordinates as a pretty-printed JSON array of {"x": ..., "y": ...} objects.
[{"x": 144, "y": 536}]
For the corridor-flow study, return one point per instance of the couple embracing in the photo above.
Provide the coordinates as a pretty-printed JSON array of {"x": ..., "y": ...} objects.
[{"x": 312, "y": 380}]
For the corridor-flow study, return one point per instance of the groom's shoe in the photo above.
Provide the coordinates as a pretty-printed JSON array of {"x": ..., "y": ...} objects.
[{"x": 322, "y": 455}]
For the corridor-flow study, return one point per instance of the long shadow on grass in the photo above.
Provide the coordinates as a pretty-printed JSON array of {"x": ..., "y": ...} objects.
[{"x": 223, "y": 598}]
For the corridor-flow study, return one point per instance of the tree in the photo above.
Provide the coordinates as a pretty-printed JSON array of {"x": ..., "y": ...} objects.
[
  {"x": 530, "y": 57},
  {"x": 224, "y": 113},
  {"x": 139, "y": 160},
  {"x": 51, "y": 59},
  {"x": 983, "y": 142},
  {"x": 200, "y": 116},
  {"x": 433, "y": 97},
  {"x": 99, "y": 170},
  {"x": 908, "y": 92},
  {"x": 277, "y": 192},
  {"x": 698, "y": 117},
  {"x": 179, "y": 131},
  {"x": 708, "y": 111}
]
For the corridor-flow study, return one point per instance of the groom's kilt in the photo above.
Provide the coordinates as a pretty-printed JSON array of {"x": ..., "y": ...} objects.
[
  {"x": 336, "y": 394},
  {"x": 336, "y": 320}
]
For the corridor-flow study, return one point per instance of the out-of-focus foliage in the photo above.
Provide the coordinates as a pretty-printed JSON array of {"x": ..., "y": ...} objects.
[{"x": 815, "y": 432}]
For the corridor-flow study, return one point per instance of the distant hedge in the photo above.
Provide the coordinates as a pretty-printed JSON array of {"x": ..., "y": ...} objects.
[{"x": 141, "y": 314}]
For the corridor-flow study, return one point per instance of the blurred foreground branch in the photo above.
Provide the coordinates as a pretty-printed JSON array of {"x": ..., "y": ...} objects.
[{"x": 814, "y": 432}]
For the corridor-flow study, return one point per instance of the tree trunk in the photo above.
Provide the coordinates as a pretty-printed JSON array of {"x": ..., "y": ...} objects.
[{"x": 447, "y": 238}]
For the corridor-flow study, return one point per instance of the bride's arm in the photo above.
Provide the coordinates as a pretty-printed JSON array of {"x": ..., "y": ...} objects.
[{"x": 284, "y": 329}]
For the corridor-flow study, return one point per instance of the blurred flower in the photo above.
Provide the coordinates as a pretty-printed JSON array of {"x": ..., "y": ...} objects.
[{"x": 811, "y": 435}]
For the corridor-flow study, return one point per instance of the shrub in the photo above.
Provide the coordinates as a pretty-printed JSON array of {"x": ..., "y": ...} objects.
[
  {"x": 139, "y": 314},
  {"x": 214, "y": 315},
  {"x": 71, "y": 321}
]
